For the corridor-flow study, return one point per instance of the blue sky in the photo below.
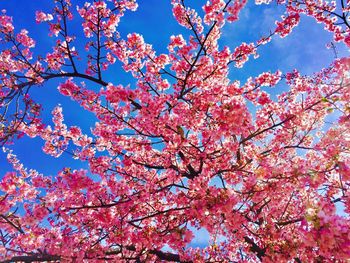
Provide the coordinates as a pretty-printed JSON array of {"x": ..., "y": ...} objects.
[{"x": 304, "y": 49}]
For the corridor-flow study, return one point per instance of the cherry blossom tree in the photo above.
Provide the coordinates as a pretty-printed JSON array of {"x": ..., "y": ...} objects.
[{"x": 160, "y": 142}]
